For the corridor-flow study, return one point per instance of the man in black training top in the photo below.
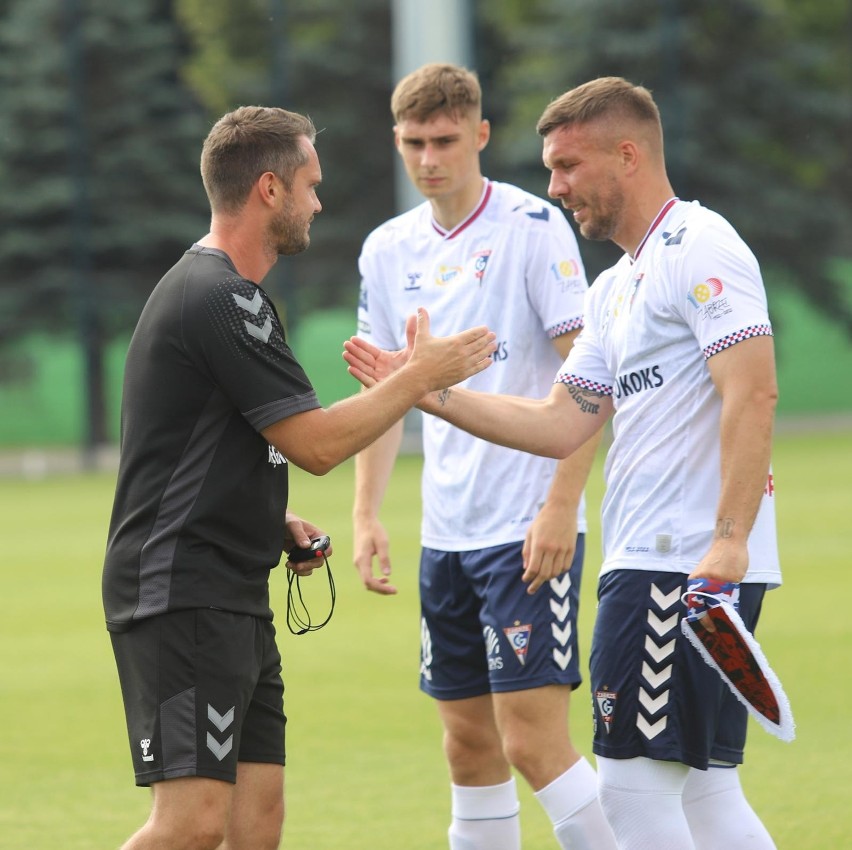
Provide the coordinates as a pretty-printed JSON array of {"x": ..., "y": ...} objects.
[{"x": 215, "y": 406}]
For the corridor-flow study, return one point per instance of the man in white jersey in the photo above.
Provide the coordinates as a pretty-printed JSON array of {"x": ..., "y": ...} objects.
[
  {"x": 677, "y": 346},
  {"x": 502, "y": 531}
]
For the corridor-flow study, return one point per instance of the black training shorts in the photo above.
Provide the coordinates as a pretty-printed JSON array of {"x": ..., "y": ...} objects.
[{"x": 202, "y": 690}]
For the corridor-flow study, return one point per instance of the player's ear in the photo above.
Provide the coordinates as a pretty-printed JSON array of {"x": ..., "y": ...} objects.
[
  {"x": 629, "y": 155},
  {"x": 269, "y": 187},
  {"x": 483, "y": 134}
]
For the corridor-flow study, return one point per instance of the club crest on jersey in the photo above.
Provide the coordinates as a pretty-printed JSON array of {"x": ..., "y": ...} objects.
[
  {"x": 636, "y": 281},
  {"x": 519, "y": 639},
  {"x": 612, "y": 312},
  {"x": 605, "y": 702},
  {"x": 480, "y": 262},
  {"x": 413, "y": 281}
]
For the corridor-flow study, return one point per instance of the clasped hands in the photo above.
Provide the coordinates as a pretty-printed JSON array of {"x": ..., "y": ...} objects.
[{"x": 470, "y": 350}]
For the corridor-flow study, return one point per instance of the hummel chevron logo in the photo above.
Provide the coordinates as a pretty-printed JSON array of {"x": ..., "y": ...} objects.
[
  {"x": 664, "y": 602},
  {"x": 652, "y": 706},
  {"x": 252, "y": 306},
  {"x": 661, "y": 627},
  {"x": 656, "y": 679},
  {"x": 543, "y": 214},
  {"x": 659, "y": 653},
  {"x": 219, "y": 750},
  {"x": 563, "y": 635},
  {"x": 651, "y": 730},
  {"x": 220, "y": 721},
  {"x": 562, "y": 658},
  {"x": 561, "y": 586},
  {"x": 560, "y": 611},
  {"x": 263, "y": 333},
  {"x": 676, "y": 239}
]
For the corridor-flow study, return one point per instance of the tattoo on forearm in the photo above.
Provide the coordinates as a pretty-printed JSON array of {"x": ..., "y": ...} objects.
[
  {"x": 585, "y": 399},
  {"x": 444, "y": 397},
  {"x": 725, "y": 527}
]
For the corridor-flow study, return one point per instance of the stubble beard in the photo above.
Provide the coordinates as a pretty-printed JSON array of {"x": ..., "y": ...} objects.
[
  {"x": 288, "y": 234},
  {"x": 602, "y": 226}
]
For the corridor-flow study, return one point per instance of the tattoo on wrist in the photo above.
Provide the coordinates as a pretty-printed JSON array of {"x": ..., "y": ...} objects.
[
  {"x": 585, "y": 400},
  {"x": 725, "y": 527},
  {"x": 444, "y": 396}
]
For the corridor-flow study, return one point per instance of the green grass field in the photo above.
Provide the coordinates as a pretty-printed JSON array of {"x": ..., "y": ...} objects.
[{"x": 365, "y": 767}]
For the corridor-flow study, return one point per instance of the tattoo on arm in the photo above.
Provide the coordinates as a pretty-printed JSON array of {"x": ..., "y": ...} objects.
[
  {"x": 725, "y": 527},
  {"x": 586, "y": 400},
  {"x": 444, "y": 397}
]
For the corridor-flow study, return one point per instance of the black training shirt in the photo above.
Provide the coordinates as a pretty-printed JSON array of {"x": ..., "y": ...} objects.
[{"x": 198, "y": 518}]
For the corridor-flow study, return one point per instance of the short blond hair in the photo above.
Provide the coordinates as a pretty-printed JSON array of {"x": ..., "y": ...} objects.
[
  {"x": 611, "y": 99},
  {"x": 437, "y": 88}
]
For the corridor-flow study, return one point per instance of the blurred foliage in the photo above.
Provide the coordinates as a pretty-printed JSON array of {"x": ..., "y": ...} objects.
[
  {"x": 100, "y": 136},
  {"x": 98, "y": 161},
  {"x": 756, "y": 100},
  {"x": 328, "y": 59}
]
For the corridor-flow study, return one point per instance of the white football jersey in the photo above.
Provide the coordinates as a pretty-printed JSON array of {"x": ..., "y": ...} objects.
[
  {"x": 514, "y": 266},
  {"x": 651, "y": 323}
]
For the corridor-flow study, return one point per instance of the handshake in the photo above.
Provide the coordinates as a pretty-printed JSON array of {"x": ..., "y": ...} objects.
[{"x": 437, "y": 362}]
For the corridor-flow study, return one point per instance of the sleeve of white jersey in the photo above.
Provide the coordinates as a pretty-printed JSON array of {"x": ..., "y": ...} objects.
[
  {"x": 555, "y": 277},
  {"x": 718, "y": 289},
  {"x": 586, "y": 364},
  {"x": 376, "y": 323}
]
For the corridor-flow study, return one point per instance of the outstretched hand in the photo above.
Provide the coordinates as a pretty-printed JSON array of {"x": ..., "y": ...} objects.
[
  {"x": 444, "y": 361},
  {"x": 371, "y": 364}
]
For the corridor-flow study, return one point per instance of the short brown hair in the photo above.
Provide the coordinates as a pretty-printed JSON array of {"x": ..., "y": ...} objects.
[
  {"x": 437, "y": 87},
  {"x": 603, "y": 98},
  {"x": 244, "y": 144}
]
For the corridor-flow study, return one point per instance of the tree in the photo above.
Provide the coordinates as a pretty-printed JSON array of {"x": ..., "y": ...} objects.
[
  {"x": 331, "y": 60},
  {"x": 99, "y": 185},
  {"x": 755, "y": 100}
]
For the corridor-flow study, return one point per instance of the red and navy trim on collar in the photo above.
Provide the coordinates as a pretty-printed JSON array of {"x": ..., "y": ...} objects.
[
  {"x": 477, "y": 211},
  {"x": 654, "y": 225}
]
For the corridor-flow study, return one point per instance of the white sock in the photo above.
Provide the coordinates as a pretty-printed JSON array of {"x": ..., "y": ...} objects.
[
  {"x": 571, "y": 803},
  {"x": 719, "y": 815},
  {"x": 486, "y": 817},
  {"x": 641, "y": 799}
]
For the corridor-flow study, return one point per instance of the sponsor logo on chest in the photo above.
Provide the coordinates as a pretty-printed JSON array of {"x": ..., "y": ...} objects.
[{"x": 630, "y": 383}]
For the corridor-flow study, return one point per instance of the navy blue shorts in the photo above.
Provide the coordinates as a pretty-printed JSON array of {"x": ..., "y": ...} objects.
[
  {"x": 481, "y": 632},
  {"x": 202, "y": 690},
  {"x": 653, "y": 695}
]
